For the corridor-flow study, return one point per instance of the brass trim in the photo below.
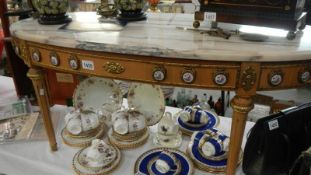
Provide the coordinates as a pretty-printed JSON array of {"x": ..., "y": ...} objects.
[
  {"x": 211, "y": 86},
  {"x": 232, "y": 65},
  {"x": 248, "y": 78},
  {"x": 241, "y": 109},
  {"x": 114, "y": 68},
  {"x": 273, "y": 73}
]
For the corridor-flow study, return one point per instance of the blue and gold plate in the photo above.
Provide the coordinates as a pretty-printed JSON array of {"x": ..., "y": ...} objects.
[
  {"x": 214, "y": 164},
  {"x": 145, "y": 164},
  {"x": 189, "y": 128}
]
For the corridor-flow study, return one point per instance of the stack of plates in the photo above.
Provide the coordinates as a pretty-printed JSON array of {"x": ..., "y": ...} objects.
[
  {"x": 213, "y": 164},
  {"x": 83, "y": 140}
]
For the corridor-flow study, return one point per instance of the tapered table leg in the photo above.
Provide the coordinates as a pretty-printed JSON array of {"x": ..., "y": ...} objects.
[
  {"x": 38, "y": 79},
  {"x": 241, "y": 106}
]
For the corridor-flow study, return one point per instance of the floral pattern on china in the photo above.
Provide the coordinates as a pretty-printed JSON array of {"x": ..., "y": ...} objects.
[
  {"x": 128, "y": 121},
  {"x": 103, "y": 95},
  {"x": 99, "y": 154},
  {"x": 81, "y": 120},
  {"x": 148, "y": 100}
]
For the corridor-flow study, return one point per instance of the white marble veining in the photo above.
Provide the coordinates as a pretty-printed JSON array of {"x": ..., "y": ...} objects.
[{"x": 159, "y": 36}]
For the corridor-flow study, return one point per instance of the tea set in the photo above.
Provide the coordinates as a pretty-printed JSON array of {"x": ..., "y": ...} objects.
[{"x": 97, "y": 114}]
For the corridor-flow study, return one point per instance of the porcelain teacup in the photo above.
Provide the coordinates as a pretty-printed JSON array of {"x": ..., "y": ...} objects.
[
  {"x": 194, "y": 115},
  {"x": 166, "y": 162},
  {"x": 74, "y": 126},
  {"x": 89, "y": 119},
  {"x": 210, "y": 145},
  {"x": 167, "y": 125},
  {"x": 136, "y": 121},
  {"x": 120, "y": 126},
  {"x": 98, "y": 152}
]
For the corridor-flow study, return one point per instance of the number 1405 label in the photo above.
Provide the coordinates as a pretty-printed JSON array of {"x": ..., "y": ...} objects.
[{"x": 210, "y": 16}]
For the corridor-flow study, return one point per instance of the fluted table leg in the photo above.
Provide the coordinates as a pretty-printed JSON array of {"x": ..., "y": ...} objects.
[
  {"x": 241, "y": 106},
  {"x": 38, "y": 79}
]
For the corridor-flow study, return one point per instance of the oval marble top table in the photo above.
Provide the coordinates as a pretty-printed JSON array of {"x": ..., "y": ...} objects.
[
  {"x": 165, "y": 50},
  {"x": 160, "y": 35}
]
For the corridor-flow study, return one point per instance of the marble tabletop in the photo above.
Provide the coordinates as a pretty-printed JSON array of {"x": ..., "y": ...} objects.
[{"x": 166, "y": 35}]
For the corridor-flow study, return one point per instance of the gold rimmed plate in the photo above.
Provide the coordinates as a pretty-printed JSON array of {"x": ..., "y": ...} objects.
[
  {"x": 81, "y": 169},
  {"x": 188, "y": 128},
  {"x": 147, "y": 99},
  {"x": 144, "y": 164},
  {"x": 82, "y": 141},
  {"x": 126, "y": 144},
  {"x": 213, "y": 164}
]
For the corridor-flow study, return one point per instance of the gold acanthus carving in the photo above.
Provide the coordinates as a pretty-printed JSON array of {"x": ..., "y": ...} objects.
[
  {"x": 114, "y": 68},
  {"x": 248, "y": 78},
  {"x": 23, "y": 52}
]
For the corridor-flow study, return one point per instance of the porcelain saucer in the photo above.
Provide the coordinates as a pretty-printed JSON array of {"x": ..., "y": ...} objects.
[
  {"x": 145, "y": 164},
  {"x": 81, "y": 169},
  {"x": 189, "y": 128},
  {"x": 214, "y": 164},
  {"x": 76, "y": 141},
  {"x": 122, "y": 144},
  {"x": 172, "y": 143}
]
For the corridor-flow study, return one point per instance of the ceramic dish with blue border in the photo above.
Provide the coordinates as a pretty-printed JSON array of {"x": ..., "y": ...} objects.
[
  {"x": 145, "y": 164},
  {"x": 214, "y": 164},
  {"x": 189, "y": 128}
]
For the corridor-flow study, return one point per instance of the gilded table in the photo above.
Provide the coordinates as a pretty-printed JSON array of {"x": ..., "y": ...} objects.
[{"x": 158, "y": 51}]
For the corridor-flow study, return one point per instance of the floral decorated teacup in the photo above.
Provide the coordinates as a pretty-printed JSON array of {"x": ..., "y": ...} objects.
[
  {"x": 81, "y": 120},
  {"x": 166, "y": 162},
  {"x": 100, "y": 154}
]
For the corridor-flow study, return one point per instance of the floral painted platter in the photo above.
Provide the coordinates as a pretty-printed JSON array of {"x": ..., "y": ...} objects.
[
  {"x": 188, "y": 128},
  {"x": 145, "y": 164},
  {"x": 214, "y": 164},
  {"x": 147, "y": 99},
  {"x": 95, "y": 92},
  {"x": 81, "y": 169}
]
